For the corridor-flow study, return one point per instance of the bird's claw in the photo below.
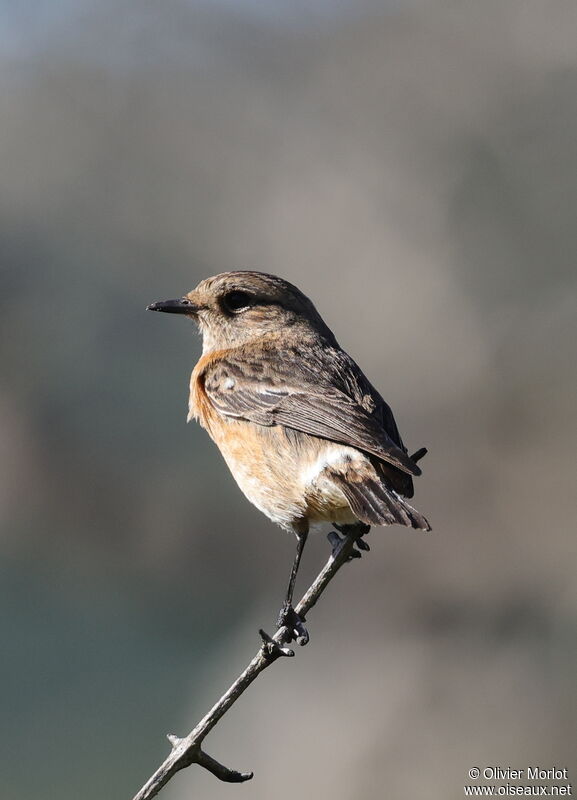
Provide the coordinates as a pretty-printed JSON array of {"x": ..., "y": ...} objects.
[
  {"x": 335, "y": 541},
  {"x": 358, "y": 531},
  {"x": 271, "y": 649},
  {"x": 294, "y": 624}
]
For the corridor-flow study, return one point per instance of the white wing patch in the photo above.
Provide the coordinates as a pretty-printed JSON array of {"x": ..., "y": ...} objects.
[{"x": 330, "y": 457}]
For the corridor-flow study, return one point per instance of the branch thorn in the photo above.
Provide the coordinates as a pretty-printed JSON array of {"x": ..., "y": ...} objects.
[
  {"x": 173, "y": 739},
  {"x": 220, "y": 771}
]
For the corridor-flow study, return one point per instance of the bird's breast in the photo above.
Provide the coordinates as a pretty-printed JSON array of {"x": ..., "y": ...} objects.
[{"x": 284, "y": 473}]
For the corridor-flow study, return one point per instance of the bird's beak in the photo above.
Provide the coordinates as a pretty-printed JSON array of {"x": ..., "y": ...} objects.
[{"x": 181, "y": 306}]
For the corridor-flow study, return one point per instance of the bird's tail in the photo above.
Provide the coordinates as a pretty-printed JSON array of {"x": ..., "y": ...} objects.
[{"x": 375, "y": 503}]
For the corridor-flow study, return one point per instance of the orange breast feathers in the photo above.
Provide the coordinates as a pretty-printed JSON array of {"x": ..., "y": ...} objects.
[
  {"x": 261, "y": 459},
  {"x": 199, "y": 406}
]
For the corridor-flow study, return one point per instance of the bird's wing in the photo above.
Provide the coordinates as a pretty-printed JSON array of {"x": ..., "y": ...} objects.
[{"x": 295, "y": 396}]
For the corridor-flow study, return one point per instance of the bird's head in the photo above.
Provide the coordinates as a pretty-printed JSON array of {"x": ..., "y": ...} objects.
[{"x": 234, "y": 308}]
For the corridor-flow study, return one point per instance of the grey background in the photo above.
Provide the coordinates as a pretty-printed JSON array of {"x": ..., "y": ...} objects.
[{"x": 411, "y": 167}]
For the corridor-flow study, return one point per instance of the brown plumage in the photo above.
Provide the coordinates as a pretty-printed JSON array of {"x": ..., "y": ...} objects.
[{"x": 306, "y": 436}]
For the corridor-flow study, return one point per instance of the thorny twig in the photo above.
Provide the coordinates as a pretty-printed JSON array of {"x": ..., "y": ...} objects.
[{"x": 187, "y": 751}]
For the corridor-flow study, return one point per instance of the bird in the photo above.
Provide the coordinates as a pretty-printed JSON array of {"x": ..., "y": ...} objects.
[{"x": 304, "y": 433}]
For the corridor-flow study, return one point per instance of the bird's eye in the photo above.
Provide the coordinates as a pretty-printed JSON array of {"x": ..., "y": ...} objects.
[{"x": 236, "y": 301}]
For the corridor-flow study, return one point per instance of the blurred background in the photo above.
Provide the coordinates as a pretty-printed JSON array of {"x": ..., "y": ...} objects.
[{"x": 412, "y": 168}]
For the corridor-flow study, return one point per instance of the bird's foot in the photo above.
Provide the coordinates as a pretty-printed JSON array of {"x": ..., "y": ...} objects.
[
  {"x": 294, "y": 624},
  {"x": 271, "y": 649},
  {"x": 356, "y": 531}
]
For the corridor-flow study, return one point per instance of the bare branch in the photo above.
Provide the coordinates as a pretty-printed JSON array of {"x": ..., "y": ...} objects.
[{"x": 187, "y": 751}]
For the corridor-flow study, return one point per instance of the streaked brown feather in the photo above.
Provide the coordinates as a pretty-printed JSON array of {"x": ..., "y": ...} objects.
[
  {"x": 376, "y": 504},
  {"x": 292, "y": 393}
]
